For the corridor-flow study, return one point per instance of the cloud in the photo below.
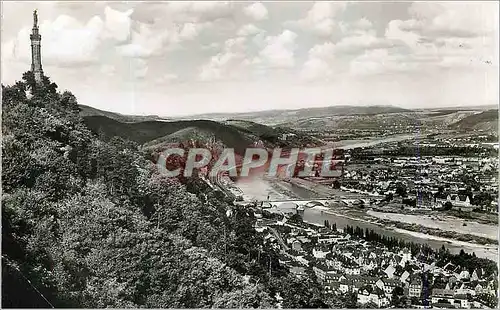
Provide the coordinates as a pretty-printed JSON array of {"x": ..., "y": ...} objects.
[
  {"x": 320, "y": 19},
  {"x": 316, "y": 68},
  {"x": 453, "y": 19},
  {"x": 68, "y": 42},
  {"x": 359, "y": 38},
  {"x": 117, "y": 25},
  {"x": 319, "y": 63},
  {"x": 279, "y": 50},
  {"x": 357, "y": 27},
  {"x": 65, "y": 41},
  {"x": 235, "y": 62},
  {"x": 189, "y": 31},
  {"x": 108, "y": 70},
  {"x": 433, "y": 21},
  {"x": 167, "y": 78},
  {"x": 447, "y": 35},
  {"x": 211, "y": 46},
  {"x": 98, "y": 49},
  {"x": 361, "y": 42},
  {"x": 146, "y": 42},
  {"x": 227, "y": 64},
  {"x": 432, "y": 39},
  {"x": 256, "y": 11},
  {"x": 249, "y": 30},
  {"x": 363, "y": 24},
  {"x": 379, "y": 61},
  {"x": 199, "y": 11},
  {"x": 394, "y": 31}
]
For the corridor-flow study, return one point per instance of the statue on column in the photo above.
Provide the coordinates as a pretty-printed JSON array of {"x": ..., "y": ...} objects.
[{"x": 35, "y": 18}]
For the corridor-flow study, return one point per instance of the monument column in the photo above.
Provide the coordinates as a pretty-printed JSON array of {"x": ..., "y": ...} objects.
[{"x": 36, "y": 56}]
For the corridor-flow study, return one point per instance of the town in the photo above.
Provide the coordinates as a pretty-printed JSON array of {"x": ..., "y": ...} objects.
[
  {"x": 373, "y": 271},
  {"x": 130, "y": 177}
]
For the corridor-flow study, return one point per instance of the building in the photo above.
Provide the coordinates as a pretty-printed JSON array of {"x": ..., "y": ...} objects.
[
  {"x": 460, "y": 201},
  {"x": 440, "y": 296},
  {"x": 320, "y": 273},
  {"x": 372, "y": 294},
  {"x": 298, "y": 271},
  {"x": 387, "y": 285},
  {"x": 36, "y": 55},
  {"x": 389, "y": 271},
  {"x": 295, "y": 244},
  {"x": 415, "y": 288}
]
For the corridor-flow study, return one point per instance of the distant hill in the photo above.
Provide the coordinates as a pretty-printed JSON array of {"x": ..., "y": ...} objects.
[
  {"x": 355, "y": 122},
  {"x": 253, "y": 128},
  {"x": 90, "y": 111},
  {"x": 485, "y": 121},
  {"x": 273, "y": 117},
  {"x": 237, "y": 134}
]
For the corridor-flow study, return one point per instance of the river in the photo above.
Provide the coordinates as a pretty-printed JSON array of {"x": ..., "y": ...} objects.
[
  {"x": 261, "y": 189},
  {"x": 351, "y": 144}
]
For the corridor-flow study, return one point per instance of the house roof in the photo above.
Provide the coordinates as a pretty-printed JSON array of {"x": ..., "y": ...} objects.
[
  {"x": 443, "y": 305},
  {"x": 371, "y": 289},
  {"x": 362, "y": 278},
  {"x": 442, "y": 292},
  {"x": 460, "y": 296},
  {"x": 391, "y": 282}
]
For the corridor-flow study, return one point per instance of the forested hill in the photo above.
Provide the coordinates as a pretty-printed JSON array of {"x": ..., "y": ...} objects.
[
  {"x": 143, "y": 132},
  {"x": 90, "y": 223},
  {"x": 236, "y": 134}
]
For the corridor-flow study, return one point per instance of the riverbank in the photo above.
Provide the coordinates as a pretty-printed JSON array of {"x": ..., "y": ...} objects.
[
  {"x": 370, "y": 142},
  {"x": 395, "y": 221},
  {"x": 489, "y": 252},
  {"x": 366, "y": 216},
  {"x": 342, "y": 214},
  {"x": 486, "y": 251},
  {"x": 442, "y": 222}
]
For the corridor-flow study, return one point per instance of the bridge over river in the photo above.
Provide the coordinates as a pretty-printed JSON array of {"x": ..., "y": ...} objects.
[
  {"x": 288, "y": 204},
  {"x": 323, "y": 201},
  {"x": 316, "y": 210}
]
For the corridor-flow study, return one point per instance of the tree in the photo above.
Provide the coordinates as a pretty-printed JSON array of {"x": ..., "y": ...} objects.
[
  {"x": 249, "y": 297},
  {"x": 401, "y": 190},
  {"x": 336, "y": 184},
  {"x": 389, "y": 197},
  {"x": 90, "y": 222},
  {"x": 448, "y": 205},
  {"x": 299, "y": 293},
  {"x": 296, "y": 218},
  {"x": 489, "y": 300},
  {"x": 399, "y": 300}
]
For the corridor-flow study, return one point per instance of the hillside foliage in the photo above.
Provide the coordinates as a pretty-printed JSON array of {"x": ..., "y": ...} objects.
[{"x": 89, "y": 222}]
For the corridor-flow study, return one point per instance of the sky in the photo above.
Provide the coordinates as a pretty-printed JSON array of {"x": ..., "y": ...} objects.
[{"x": 181, "y": 58}]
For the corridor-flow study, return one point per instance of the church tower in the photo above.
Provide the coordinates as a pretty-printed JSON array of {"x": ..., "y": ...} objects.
[{"x": 36, "y": 56}]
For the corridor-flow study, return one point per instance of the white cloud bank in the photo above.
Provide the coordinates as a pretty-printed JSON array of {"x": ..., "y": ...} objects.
[{"x": 430, "y": 53}]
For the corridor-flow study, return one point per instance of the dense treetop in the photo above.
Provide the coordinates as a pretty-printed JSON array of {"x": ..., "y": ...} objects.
[{"x": 91, "y": 223}]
